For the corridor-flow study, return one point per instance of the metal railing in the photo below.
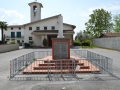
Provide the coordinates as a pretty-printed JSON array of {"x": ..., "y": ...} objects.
[
  {"x": 99, "y": 61},
  {"x": 42, "y": 54},
  {"x": 14, "y": 37},
  {"x": 20, "y": 63},
  {"x": 38, "y": 64}
]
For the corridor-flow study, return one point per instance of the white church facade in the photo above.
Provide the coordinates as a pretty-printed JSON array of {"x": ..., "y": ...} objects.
[{"x": 38, "y": 29}]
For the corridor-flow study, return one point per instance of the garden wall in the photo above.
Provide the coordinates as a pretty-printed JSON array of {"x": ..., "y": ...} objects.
[
  {"x": 7, "y": 48},
  {"x": 112, "y": 43}
]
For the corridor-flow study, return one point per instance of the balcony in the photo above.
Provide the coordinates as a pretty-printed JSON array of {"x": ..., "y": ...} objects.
[
  {"x": 14, "y": 37},
  {"x": 19, "y": 37}
]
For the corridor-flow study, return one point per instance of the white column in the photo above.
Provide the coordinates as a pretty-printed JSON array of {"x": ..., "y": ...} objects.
[{"x": 60, "y": 27}]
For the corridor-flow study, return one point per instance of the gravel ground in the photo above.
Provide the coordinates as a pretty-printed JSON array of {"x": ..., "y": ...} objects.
[{"x": 5, "y": 84}]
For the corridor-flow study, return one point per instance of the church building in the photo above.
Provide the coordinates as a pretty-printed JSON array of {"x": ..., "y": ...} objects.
[{"x": 38, "y": 28}]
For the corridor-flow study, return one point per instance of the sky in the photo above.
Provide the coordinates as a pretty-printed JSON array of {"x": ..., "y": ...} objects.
[{"x": 75, "y": 12}]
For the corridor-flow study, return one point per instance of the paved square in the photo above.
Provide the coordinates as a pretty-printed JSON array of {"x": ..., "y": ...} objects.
[{"x": 5, "y": 84}]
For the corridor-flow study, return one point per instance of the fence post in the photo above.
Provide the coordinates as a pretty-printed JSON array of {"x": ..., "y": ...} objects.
[
  {"x": 74, "y": 61},
  {"x": 61, "y": 66},
  {"x": 48, "y": 69},
  {"x": 107, "y": 64},
  {"x": 10, "y": 68}
]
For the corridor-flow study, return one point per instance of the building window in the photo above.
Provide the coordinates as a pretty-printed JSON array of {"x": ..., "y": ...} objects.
[
  {"x": 30, "y": 28},
  {"x": 18, "y": 41},
  {"x": 7, "y": 39},
  {"x": 18, "y": 34},
  {"x": 53, "y": 27},
  {"x": 30, "y": 38},
  {"x": 11, "y": 28},
  {"x": 37, "y": 28},
  {"x": 12, "y": 34},
  {"x": 19, "y": 28},
  {"x": 45, "y": 28}
]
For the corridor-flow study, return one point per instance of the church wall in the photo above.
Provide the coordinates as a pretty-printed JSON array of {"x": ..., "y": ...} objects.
[
  {"x": 67, "y": 27},
  {"x": 48, "y": 23},
  {"x": 69, "y": 36}
]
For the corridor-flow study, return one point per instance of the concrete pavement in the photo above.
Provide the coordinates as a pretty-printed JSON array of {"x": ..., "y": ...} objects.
[{"x": 5, "y": 84}]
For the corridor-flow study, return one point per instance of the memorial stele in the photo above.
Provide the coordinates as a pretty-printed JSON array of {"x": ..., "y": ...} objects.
[{"x": 60, "y": 45}]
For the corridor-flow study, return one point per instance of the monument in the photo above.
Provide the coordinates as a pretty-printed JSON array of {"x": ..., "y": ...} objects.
[{"x": 60, "y": 45}]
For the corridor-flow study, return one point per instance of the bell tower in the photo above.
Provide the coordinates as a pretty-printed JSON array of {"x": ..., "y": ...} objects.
[{"x": 35, "y": 11}]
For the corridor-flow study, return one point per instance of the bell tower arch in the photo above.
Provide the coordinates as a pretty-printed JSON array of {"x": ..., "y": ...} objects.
[{"x": 35, "y": 11}]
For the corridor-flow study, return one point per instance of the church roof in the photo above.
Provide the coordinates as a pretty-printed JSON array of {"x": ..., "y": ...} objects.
[
  {"x": 42, "y": 19},
  {"x": 35, "y": 3},
  {"x": 14, "y": 26},
  {"x": 50, "y": 18}
]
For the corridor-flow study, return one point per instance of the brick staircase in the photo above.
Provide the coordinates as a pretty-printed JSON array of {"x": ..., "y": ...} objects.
[{"x": 43, "y": 66}]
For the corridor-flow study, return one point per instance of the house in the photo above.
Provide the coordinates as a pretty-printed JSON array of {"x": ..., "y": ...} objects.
[
  {"x": 104, "y": 35},
  {"x": 14, "y": 33},
  {"x": 38, "y": 28}
]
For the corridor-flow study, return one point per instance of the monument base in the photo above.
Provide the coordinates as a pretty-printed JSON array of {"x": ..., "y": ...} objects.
[
  {"x": 60, "y": 36},
  {"x": 60, "y": 48}
]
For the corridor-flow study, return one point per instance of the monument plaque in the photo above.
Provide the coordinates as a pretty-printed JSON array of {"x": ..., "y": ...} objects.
[{"x": 61, "y": 48}]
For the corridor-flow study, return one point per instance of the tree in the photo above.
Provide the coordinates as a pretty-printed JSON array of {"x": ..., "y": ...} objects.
[
  {"x": 100, "y": 21},
  {"x": 81, "y": 36},
  {"x": 31, "y": 42},
  {"x": 3, "y": 26},
  {"x": 116, "y": 23},
  {"x": 45, "y": 42}
]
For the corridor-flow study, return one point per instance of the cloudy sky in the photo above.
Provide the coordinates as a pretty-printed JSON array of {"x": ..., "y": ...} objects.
[{"x": 74, "y": 12}]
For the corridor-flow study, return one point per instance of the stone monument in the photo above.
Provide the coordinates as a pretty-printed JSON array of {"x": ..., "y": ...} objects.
[{"x": 60, "y": 45}]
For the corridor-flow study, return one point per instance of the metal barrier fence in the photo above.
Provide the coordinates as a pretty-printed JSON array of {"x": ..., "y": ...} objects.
[
  {"x": 42, "y": 54},
  {"x": 99, "y": 61},
  {"x": 20, "y": 63},
  {"x": 34, "y": 66}
]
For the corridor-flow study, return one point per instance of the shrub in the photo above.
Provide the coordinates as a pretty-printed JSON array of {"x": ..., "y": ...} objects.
[
  {"x": 26, "y": 65},
  {"x": 45, "y": 42},
  {"x": 35, "y": 59},
  {"x": 1, "y": 42},
  {"x": 13, "y": 42},
  {"x": 31, "y": 42},
  {"x": 86, "y": 43},
  {"x": 27, "y": 45},
  {"x": 5, "y": 42},
  {"x": 76, "y": 43}
]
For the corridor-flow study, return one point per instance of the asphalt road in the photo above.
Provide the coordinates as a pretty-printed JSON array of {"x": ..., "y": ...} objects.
[{"x": 5, "y": 84}]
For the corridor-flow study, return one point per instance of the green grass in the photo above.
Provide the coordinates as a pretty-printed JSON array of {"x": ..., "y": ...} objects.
[
  {"x": 34, "y": 59},
  {"x": 89, "y": 47}
]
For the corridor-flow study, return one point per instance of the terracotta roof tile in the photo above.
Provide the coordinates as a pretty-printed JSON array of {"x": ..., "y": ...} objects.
[{"x": 112, "y": 34}]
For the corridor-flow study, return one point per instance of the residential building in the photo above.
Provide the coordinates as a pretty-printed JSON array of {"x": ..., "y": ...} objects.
[
  {"x": 38, "y": 28},
  {"x": 14, "y": 33}
]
